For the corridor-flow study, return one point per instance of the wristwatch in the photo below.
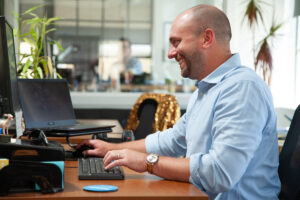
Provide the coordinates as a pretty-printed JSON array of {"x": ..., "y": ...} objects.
[{"x": 151, "y": 160}]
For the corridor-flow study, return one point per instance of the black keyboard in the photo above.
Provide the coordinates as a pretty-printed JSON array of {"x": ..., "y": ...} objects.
[{"x": 92, "y": 168}]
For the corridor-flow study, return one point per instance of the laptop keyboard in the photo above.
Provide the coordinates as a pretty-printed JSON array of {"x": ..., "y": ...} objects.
[{"x": 92, "y": 168}]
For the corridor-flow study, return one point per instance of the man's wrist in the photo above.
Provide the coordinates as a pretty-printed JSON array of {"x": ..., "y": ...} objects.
[
  {"x": 151, "y": 160},
  {"x": 108, "y": 147}
]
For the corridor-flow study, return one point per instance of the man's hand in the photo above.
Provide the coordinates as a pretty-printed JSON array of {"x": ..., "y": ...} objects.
[
  {"x": 100, "y": 147},
  {"x": 133, "y": 155},
  {"x": 132, "y": 159}
]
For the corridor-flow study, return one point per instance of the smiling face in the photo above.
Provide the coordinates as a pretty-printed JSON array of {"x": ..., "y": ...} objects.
[{"x": 184, "y": 47}]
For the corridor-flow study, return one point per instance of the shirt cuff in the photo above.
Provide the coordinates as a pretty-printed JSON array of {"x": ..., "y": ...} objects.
[{"x": 195, "y": 160}]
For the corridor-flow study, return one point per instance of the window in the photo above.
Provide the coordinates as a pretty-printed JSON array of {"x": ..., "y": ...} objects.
[{"x": 89, "y": 26}]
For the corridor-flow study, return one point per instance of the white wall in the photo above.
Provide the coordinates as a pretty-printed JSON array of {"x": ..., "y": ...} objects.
[
  {"x": 282, "y": 47},
  {"x": 165, "y": 11}
]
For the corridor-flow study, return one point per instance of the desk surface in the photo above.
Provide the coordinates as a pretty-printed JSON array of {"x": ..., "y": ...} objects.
[{"x": 135, "y": 186}]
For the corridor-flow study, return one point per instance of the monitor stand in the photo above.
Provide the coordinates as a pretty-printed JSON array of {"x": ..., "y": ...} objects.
[
  {"x": 38, "y": 137},
  {"x": 68, "y": 135},
  {"x": 37, "y": 148},
  {"x": 94, "y": 136},
  {"x": 19, "y": 129}
]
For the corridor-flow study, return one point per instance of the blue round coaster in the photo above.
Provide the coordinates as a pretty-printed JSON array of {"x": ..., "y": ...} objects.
[{"x": 100, "y": 188}]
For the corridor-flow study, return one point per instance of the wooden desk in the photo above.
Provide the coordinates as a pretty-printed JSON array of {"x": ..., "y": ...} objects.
[{"x": 135, "y": 186}]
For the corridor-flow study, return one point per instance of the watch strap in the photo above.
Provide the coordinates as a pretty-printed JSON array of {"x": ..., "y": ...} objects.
[{"x": 150, "y": 167}]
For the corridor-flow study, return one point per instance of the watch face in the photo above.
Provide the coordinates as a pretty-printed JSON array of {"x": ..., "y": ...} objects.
[{"x": 152, "y": 158}]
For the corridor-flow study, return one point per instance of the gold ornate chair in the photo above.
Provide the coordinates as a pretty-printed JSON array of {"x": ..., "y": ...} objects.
[{"x": 153, "y": 112}]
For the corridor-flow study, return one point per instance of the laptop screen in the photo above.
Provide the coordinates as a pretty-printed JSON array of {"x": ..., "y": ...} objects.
[{"x": 46, "y": 103}]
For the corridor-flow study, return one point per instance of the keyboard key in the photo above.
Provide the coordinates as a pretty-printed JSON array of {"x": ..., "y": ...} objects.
[
  {"x": 92, "y": 166},
  {"x": 99, "y": 168},
  {"x": 85, "y": 166}
]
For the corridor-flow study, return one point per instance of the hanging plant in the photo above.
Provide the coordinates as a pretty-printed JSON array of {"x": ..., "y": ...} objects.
[
  {"x": 253, "y": 12},
  {"x": 262, "y": 59}
]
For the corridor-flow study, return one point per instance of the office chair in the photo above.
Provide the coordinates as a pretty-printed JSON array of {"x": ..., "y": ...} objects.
[
  {"x": 153, "y": 112},
  {"x": 289, "y": 161}
]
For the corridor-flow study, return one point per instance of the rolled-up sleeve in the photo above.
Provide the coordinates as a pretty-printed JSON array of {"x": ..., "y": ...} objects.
[{"x": 170, "y": 142}]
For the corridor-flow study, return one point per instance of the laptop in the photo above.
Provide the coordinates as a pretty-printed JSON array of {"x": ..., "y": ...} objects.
[{"x": 47, "y": 106}]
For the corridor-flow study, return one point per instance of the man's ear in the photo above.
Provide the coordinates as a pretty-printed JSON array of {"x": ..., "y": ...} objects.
[{"x": 208, "y": 37}]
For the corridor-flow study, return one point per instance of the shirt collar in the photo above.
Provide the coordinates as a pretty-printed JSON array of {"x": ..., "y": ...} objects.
[{"x": 218, "y": 74}]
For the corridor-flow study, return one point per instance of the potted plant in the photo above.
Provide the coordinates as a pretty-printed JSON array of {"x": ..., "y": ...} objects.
[
  {"x": 35, "y": 64},
  {"x": 263, "y": 58}
]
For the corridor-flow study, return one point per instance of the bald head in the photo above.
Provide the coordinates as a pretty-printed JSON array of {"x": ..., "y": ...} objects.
[
  {"x": 200, "y": 41},
  {"x": 206, "y": 16}
]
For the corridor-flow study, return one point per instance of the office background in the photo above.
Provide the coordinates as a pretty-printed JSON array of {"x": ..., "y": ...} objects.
[{"x": 89, "y": 28}]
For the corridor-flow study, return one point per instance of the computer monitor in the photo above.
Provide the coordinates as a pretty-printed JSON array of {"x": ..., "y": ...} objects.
[
  {"x": 52, "y": 105},
  {"x": 9, "y": 100}
]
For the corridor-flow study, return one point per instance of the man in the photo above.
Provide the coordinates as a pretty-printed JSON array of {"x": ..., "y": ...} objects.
[
  {"x": 228, "y": 133},
  {"x": 132, "y": 66}
]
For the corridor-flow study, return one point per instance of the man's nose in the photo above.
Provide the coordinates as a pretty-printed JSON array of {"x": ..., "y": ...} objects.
[{"x": 172, "y": 53}]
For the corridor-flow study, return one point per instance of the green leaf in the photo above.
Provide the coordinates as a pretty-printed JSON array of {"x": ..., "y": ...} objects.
[
  {"x": 32, "y": 9},
  {"x": 50, "y": 20},
  {"x": 58, "y": 75},
  {"x": 29, "y": 41},
  {"x": 32, "y": 21},
  {"x": 34, "y": 15},
  {"x": 25, "y": 34},
  {"x": 274, "y": 28},
  {"x": 40, "y": 72},
  {"x": 44, "y": 63},
  {"x": 50, "y": 67},
  {"x": 35, "y": 34},
  {"x": 26, "y": 66},
  {"x": 50, "y": 30}
]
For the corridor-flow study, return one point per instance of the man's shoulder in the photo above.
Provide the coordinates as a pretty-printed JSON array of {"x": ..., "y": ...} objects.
[
  {"x": 244, "y": 79},
  {"x": 243, "y": 74}
]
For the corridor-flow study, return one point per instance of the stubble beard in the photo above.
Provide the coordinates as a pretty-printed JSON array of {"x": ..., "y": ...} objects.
[
  {"x": 185, "y": 72},
  {"x": 193, "y": 65}
]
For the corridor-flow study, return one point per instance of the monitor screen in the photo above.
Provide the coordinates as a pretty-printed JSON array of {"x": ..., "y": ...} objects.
[
  {"x": 46, "y": 103},
  {"x": 9, "y": 100}
]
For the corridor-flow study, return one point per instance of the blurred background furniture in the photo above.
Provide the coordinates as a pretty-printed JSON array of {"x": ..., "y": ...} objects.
[{"x": 153, "y": 112}]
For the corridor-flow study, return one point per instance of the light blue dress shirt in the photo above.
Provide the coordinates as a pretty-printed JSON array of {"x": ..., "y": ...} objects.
[
  {"x": 229, "y": 134},
  {"x": 134, "y": 66}
]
